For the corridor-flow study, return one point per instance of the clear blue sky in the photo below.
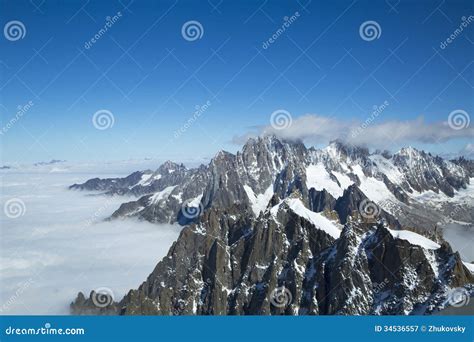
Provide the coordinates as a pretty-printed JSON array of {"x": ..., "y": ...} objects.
[{"x": 151, "y": 78}]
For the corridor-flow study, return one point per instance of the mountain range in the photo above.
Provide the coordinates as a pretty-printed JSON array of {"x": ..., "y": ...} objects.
[{"x": 279, "y": 228}]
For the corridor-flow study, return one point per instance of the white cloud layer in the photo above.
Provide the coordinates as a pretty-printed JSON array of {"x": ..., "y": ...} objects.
[
  {"x": 61, "y": 245},
  {"x": 320, "y": 129}
]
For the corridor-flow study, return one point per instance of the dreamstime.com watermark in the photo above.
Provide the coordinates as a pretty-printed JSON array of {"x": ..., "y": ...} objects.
[
  {"x": 109, "y": 22},
  {"x": 376, "y": 111},
  {"x": 451, "y": 216},
  {"x": 369, "y": 209},
  {"x": 102, "y": 297},
  {"x": 391, "y": 207},
  {"x": 199, "y": 110},
  {"x": 457, "y": 32},
  {"x": 370, "y": 30},
  {"x": 103, "y": 119},
  {"x": 14, "y": 208},
  {"x": 281, "y": 119},
  {"x": 287, "y": 21},
  {"x": 191, "y": 210},
  {"x": 458, "y": 297},
  {"x": 13, "y": 298},
  {"x": 98, "y": 214},
  {"x": 46, "y": 330},
  {"x": 192, "y": 30},
  {"x": 21, "y": 110},
  {"x": 14, "y": 30},
  {"x": 379, "y": 287},
  {"x": 281, "y": 297},
  {"x": 459, "y": 119}
]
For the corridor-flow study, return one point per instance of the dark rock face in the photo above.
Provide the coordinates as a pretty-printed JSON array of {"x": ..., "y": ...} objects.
[
  {"x": 96, "y": 304},
  {"x": 354, "y": 203},
  {"x": 321, "y": 200},
  {"x": 110, "y": 184},
  {"x": 269, "y": 164},
  {"x": 139, "y": 182},
  {"x": 259, "y": 238},
  {"x": 349, "y": 203},
  {"x": 282, "y": 263}
]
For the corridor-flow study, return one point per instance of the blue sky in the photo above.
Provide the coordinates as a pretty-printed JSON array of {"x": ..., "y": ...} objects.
[{"x": 151, "y": 79}]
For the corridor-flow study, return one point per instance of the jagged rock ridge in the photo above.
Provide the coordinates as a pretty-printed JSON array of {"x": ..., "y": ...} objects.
[
  {"x": 281, "y": 229},
  {"x": 268, "y": 166},
  {"x": 230, "y": 263}
]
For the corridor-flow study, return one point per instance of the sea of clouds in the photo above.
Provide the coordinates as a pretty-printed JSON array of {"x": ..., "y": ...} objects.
[{"x": 61, "y": 244}]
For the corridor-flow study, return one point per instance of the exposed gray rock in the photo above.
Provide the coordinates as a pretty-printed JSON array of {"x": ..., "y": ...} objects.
[
  {"x": 243, "y": 238},
  {"x": 269, "y": 163},
  {"x": 425, "y": 172},
  {"x": 321, "y": 200},
  {"x": 231, "y": 263}
]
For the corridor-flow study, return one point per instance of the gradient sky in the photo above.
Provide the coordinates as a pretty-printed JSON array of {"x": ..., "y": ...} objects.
[{"x": 150, "y": 78}]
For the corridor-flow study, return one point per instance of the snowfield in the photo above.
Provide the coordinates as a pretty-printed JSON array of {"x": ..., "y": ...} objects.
[{"x": 317, "y": 177}]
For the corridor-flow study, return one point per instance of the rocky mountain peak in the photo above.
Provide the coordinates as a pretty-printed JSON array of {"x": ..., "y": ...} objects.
[
  {"x": 277, "y": 215},
  {"x": 408, "y": 151},
  {"x": 424, "y": 171},
  {"x": 170, "y": 167},
  {"x": 223, "y": 160},
  {"x": 271, "y": 143},
  {"x": 338, "y": 149},
  {"x": 269, "y": 165}
]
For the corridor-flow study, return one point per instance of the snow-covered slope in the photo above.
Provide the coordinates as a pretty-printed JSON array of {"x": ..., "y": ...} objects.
[
  {"x": 416, "y": 188},
  {"x": 317, "y": 219},
  {"x": 329, "y": 224},
  {"x": 414, "y": 239}
]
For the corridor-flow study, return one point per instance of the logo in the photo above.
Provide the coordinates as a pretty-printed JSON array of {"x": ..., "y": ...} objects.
[
  {"x": 14, "y": 30},
  {"x": 370, "y": 30},
  {"x": 281, "y": 119},
  {"x": 192, "y": 30},
  {"x": 103, "y": 119},
  {"x": 281, "y": 297}
]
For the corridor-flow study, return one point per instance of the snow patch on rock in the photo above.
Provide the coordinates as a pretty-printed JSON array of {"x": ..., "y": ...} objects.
[
  {"x": 317, "y": 219},
  {"x": 318, "y": 178},
  {"x": 161, "y": 194},
  {"x": 259, "y": 202},
  {"x": 414, "y": 238}
]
